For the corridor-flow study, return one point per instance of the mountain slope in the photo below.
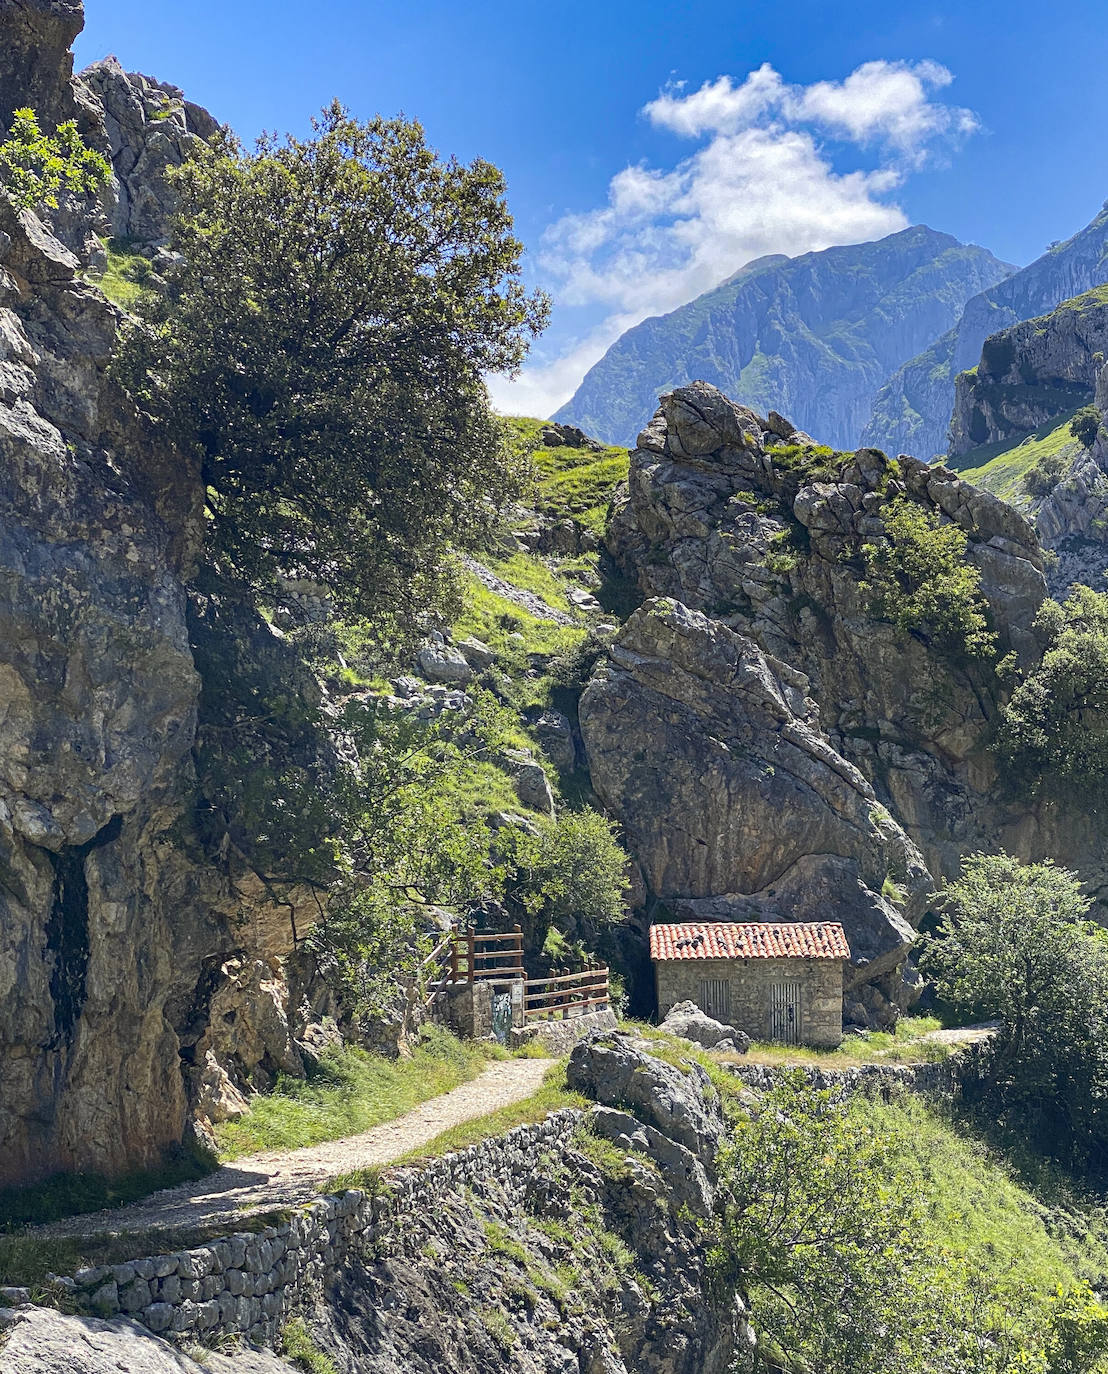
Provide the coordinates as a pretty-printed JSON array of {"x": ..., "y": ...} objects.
[
  {"x": 912, "y": 411},
  {"x": 813, "y": 336}
]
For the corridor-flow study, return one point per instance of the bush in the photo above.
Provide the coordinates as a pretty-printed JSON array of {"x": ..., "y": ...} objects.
[
  {"x": 1040, "y": 480},
  {"x": 1085, "y": 426},
  {"x": 1015, "y": 945},
  {"x": 34, "y": 166},
  {"x": 1053, "y": 733},
  {"x": 917, "y": 577}
]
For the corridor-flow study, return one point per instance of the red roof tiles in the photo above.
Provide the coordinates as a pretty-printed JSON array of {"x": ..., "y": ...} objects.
[{"x": 750, "y": 940}]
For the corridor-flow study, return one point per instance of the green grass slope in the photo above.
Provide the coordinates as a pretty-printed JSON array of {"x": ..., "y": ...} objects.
[{"x": 1000, "y": 468}]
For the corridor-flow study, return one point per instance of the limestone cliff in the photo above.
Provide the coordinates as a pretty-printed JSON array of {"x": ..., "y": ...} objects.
[
  {"x": 741, "y": 746},
  {"x": 117, "y": 930},
  {"x": 1030, "y": 374}
]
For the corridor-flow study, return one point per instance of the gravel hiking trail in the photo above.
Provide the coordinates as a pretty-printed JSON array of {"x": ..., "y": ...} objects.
[{"x": 277, "y": 1179}]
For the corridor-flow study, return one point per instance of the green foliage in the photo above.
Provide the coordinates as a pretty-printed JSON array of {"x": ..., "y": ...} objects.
[
  {"x": 1085, "y": 425},
  {"x": 867, "y": 1237},
  {"x": 351, "y": 1091},
  {"x": 298, "y": 1346},
  {"x": 321, "y": 347},
  {"x": 35, "y": 166},
  {"x": 415, "y": 829},
  {"x": 575, "y": 867},
  {"x": 1054, "y": 731},
  {"x": 1015, "y": 944},
  {"x": 917, "y": 577},
  {"x": 1040, "y": 480}
]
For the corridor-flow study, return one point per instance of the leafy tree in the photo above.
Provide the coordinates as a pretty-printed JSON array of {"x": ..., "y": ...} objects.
[
  {"x": 1015, "y": 945},
  {"x": 917, "y": 577},
  {"x": 1041, "y": 479},
  {"x": 1085, "y": 426},
  {"x": 1054, "y": 730},
  {"x": 573, "y": 869},
  {"x": 321, "y": 346},
  {"x": 826, "y": 1235},
  {"x": 35, "y": 166}
]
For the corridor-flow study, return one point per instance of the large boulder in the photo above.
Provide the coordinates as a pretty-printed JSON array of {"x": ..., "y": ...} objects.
[
  {"x": 709, "y": 753},
  {"x": 614, "y": 1071},
  {"x": 690, "y": 1023}
]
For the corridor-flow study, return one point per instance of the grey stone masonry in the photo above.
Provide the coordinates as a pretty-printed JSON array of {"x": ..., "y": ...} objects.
[
  {"x": 251, "y": 1283},
  {"x": 747, "y": 990}
]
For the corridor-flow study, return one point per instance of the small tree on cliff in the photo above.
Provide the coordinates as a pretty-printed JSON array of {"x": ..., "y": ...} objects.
[
  {"x": 321, "y": 346},
  {"x": 35, "y": 166}
]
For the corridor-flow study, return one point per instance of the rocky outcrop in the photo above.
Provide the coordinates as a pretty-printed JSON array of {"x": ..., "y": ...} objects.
[
  {"x": 35, "y": 62},
  {"x": 773, "y": 749},
  {"x": 148, "y": 126},
  {"x": 912, "y": 410},
  {"x": 1030, "y": 374},
  {"x": 815, "y": 335},
  {"x": 116, "y": 923}
]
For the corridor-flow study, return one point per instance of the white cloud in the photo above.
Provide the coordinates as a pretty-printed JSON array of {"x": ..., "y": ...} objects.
[{"x": 761, "y": 182}]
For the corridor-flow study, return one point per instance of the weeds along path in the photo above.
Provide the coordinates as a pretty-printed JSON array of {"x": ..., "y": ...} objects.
[{"x": 284, "y": 1178}]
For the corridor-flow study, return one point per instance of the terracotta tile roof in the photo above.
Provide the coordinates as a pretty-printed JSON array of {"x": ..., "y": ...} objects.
[{"x": 750, "y": 940}]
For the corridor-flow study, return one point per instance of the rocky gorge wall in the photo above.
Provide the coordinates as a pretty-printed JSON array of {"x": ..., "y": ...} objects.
[
  {"x": 770, "y": 745},
  {"x": 118, "y": 931}
]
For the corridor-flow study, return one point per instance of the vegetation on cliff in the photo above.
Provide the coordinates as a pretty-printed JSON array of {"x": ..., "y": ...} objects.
[
  {"x": 36, "y": 167},
  {"x": 321, "y": 343}
]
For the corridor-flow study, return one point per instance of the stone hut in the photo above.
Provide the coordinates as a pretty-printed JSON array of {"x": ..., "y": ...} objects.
[{"x": 775, "y": 981}]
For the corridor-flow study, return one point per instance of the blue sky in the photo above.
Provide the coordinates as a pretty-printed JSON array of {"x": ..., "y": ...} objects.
[{"x": 644, "y": 160}]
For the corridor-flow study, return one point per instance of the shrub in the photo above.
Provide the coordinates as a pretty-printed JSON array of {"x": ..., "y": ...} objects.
[
  {"x": 34, "y": 166},
  {"x": 1053, "y": 732},
  {"x": 1085, "y": 425},
  {"x": 917, "y": 577}
]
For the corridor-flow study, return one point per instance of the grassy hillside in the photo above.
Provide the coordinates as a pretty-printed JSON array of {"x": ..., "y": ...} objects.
[{"x": 1000, "y": 468}]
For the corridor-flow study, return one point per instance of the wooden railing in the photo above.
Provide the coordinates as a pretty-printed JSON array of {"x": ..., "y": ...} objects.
[
  {"x": 570, "y": 994},
  {"x": 466, "y": 957}
]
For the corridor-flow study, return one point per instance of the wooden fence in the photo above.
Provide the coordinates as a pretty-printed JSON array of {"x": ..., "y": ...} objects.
[{"x": 466, "y": 957}]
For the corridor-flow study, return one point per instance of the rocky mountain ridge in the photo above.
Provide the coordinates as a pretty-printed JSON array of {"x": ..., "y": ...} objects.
[
  {"x": 814, "y": 336},
  {"x": 911, "y": 413}
]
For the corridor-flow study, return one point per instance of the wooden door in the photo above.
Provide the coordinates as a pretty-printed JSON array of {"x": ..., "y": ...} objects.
[{"x": 784, "y": 1012}]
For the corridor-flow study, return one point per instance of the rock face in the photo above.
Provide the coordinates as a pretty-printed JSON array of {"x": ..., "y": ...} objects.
[
  {"x": 815, "y": 335},
  {"x": 912, "y": 410},
  {"x": 1030, "y": 374},
  {"x": 769, "y": 746},
  {"x": 35, "y": 62},
  {"x": 100, "y": 703},
  {"x": 114, "y": 923},
  {"x": 148, "y": 126}
]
